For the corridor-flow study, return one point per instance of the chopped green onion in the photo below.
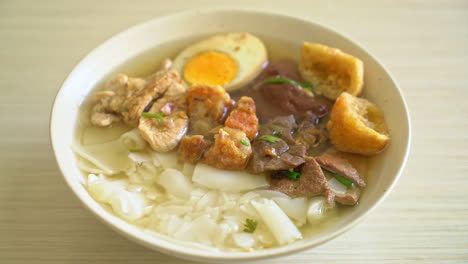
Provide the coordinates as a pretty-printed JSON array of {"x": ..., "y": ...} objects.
[
  {"x": 307, "y": 85},
  {"x": 250, "y": 225},
  {"x": 293, "y": 175},
  {"x": 346, "y": 182},
  {"x": 135, "y": 150},
  {"x": 260, "y": 127},
  {"x": 276, "y": 133},
  {"x": 286, "y": 80},
  {"x": 125, "y": 109},
  {"x": 244, "y": 142},
  {"x": 159, "y": 116},
  {"x": 280, "y": 80},
  {"x": 269, "y": 138}
]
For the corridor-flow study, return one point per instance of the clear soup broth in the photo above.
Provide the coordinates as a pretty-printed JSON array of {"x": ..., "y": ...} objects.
[{"x": 179, "y": 213}]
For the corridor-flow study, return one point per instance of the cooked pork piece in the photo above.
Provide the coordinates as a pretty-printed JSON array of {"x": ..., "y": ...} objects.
[
  {"x": 334, "y": 163},
  {"x": 292, "y": 99},
  {"x": 276, "y": 99},
  {"x": 156, "y": 87},
  {"x": 312, "y": 182},
  {"x": 279, "y": 161},
  {"x": 294, "y": 156},
  {"x": 110, "y": 102},
  {"x": 103, "y": 119},
  {"x": 228, "y": 151},
  {"x": 243, "y": 117},
  {"x": 284, "y": 68},
  {"x": 163, "y": 128},
  {"x": 286, "y": 96},
  {"x": 282, "y": 127},
  {"x": 192, "y": 148},
  {"x": 207, "y": 107},
  {"x": 351, "y": 197},
  {"x": 311, "y": 134},
  {"x": 277, "y": 154},
  {"x": 266, "y": 156},
  {"x": 343, "y": 195},
  {"x": 297, "y": 150},
  {"x": 173, "y": 97},
  {"x": 127, "y": 97}
]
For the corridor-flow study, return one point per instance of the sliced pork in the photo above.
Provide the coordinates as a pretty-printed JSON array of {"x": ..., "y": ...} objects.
[
  {"x": 312, "y": 182},
  {"x": 126, "y": 98},
  {"x": 311, "y": 133},
  {"x": 271, "y": 150},
  {"x": 275, "y": 99},
  {"x": 343, "y": 195},
  {"x": 334, "y": 163},
  {"x": 165, "y": 129}
]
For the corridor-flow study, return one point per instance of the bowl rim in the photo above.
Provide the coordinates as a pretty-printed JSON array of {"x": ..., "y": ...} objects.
[{"x": 196, "y": 254}]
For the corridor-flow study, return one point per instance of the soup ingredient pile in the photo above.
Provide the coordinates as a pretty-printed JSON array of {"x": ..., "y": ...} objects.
[{"x": 232, "y": 151}]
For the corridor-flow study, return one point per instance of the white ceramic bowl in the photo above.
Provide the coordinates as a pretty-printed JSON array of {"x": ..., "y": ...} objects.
[{"x": 380, "y": 88}]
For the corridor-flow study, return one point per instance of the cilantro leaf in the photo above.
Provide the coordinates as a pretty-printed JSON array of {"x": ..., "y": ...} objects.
[{"x": 250, "y": 225}]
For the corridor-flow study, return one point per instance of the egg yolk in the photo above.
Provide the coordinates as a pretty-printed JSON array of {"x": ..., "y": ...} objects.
[{"x": 212, "y": 68}]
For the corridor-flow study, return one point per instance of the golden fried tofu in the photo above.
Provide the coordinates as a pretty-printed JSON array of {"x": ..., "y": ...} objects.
[
  {"x": 330, "y": 70},
  {"x": 357, "y": 126}
]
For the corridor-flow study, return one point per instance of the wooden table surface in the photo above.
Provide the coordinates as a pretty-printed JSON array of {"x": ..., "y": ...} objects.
[{"x": 423, "y": 43}]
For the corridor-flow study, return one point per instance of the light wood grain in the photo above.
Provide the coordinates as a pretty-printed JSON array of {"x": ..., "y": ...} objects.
[{"x": 424, "y": 44}]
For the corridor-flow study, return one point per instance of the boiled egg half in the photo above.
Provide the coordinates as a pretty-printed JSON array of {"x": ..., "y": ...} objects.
[{"x": 230, "y": 60}]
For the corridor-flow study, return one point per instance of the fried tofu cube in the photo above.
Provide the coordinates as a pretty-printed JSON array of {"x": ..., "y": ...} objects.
[{"x": 330, "y": 70}]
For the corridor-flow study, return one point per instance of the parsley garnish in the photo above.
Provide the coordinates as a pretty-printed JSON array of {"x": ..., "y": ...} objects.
[
  {"x": 293, "y": 175},
  {"x": 250, "y": 225},
  {"x": 125, "y": 109},
  {"x": 269, "y": 138},
  {"x": 260, "y": 127},
  {"x": 346, "y": 182},
  {"x": 244, "y": 142}
]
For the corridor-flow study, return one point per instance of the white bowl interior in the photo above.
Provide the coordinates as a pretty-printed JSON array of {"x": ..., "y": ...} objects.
[{"x": 185, "y": 27}]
